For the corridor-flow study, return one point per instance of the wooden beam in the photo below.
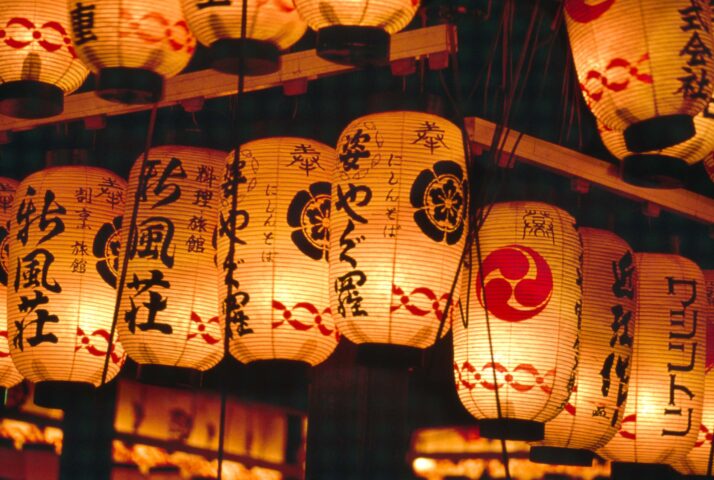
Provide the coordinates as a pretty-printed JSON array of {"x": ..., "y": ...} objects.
[
  {"x": 574, "y": 164},
  {"x": 438, "y": 40}
]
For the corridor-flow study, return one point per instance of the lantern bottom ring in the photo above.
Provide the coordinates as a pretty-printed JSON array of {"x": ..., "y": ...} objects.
[
  {"x": 30, "y": 99},
  {"x": 577, "y": 457},
  {"x": 387, "y": 355},
  {"x": 170, "y": 376},
  {"x": 654, "y": 171},
  {"x": 261, "y": 57},
  {"x": 353, "y": 45},
  {"x": 130, "y": 85},
  {"x": 658, "y": 133},
  {"x": 511, "y": 429},
  {"x": 650, "y": 471},
  {"x": 60, "y": 394}
]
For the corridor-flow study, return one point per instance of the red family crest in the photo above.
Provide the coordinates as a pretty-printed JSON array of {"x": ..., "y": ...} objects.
[
  {"x": 523, "y": 288},
  {"x": 583, "y": 11}
]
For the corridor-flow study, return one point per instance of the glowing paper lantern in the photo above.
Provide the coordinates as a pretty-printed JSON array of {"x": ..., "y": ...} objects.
[
  {"x": 593, "y": 414},
  {"x": 697, "y": 460},
  {"x": 279, "y": 269},
  {"x": 398, "y": 227},
  {"x": 38, "y": 63},
  {"x": 531, "y": 268},
  {"x": 9, "y": 376},
  {"x": 132, "y": 45},
  {"x": 271, "y": 26},
  {"x": 60, "y": 296},
  {"x": 664, "y": 403},
  {"x": 709, "y": 165},
  {"x": 644, "y": 67},
  {"x": 356, "y": 31},
  {"x": 169, "y": 305}
]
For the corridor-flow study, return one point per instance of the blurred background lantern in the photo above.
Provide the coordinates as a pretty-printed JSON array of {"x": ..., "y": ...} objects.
[
  {"x": 271, "y": 26},
  {"x": 644, "y": 67},
  {"x": 594, "y": 412},
  {"x": 667, "y": 167},
  {"x": 664, "y": 403},
  {"x": 709, "y": 165},
  {"x": 525, "y": 301},
  {"x": 60, "y": 305},
  {"x": 168, "y": 314},
  {"x": 132, "y": 45},
  {"x": 38, "y": 63},
  {"x": 398, "y": 227},
  {"x": 356, "y": 31},
  {"x": 697, "y": 460},
  {"x": 9, "y": 376},
  {"x": 281, "y": 261}
]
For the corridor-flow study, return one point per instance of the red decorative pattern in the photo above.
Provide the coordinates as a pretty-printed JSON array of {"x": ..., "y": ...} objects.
[
  {"x": 425, "y": 303},
  {"x": 583, "y": 12},
  {"x": 153, "y": 27},
  {"x": 705, "y": 436},
  {"x": 623, "y": 69},
  {"x": 502, "y": 373},
  {"x": 569, "y": 407},
  {"x": 291, "y": 317},
  {"x": 202, "y": 327},
  {"x": 629, "y": 419},
  {"x": 3, "y": 334},
  {"x": 39, "y": 35},
  {"x": 87, "y": 343},
  {"x": 505, "y": 293}
]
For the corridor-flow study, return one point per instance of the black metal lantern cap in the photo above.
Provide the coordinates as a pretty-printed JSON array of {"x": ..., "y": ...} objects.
[
  {"x": 353, "y": 45},
  {"x": 261, "y": 57},
  {"x": 658, "y": 133},
  {"x": 577, "y": 457},
  {"x": 512, "y": 429},
  {"x": 654, "y": 171},
  {"x": 169, "y": 376},
  {"x": 30, "y": 99},
  {"x": 649, "y": 471},
  {"x": 130, "y": 85},
  {"x": 60, "y": 394},
  {"x": 388, "y": 356}
]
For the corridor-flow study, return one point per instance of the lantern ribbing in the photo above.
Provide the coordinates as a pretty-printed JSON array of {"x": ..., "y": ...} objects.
[{"x": 9, "y": 376}]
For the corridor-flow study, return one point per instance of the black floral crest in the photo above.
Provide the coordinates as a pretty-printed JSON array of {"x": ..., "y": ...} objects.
[
  {"x": 309, "y": 215},
  {"x": 440, "y": 198},
  {"x": 106, "y": 248}
]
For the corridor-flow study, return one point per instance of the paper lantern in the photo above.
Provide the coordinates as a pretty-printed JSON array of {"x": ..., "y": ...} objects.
[
  {"x": 398, "y": 227},
  {"x": 356, "y": 31},
  {"x": 664, "y": 403},
  {"x": 9, "y": 376},
  {"x": 709, "y": 165},
  {"x": 280, "y": 293},
  {"x": 62, "y": 264},
  {"x": 644, "y": 67},
  {"x": 132, "y": 45},
  {"x": 531, "y": 259},
  {"x": 667, "y": 167},
  {"x": 594, "y": 412},
  {"x": 38, "y": 63},
  {"x": 271, "y": 26},
  {"x": 697, "y": 460},
  {"x": 169, "y": 306}
]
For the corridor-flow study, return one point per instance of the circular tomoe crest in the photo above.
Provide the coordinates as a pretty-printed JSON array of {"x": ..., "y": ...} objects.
[
  {"x": 439, "y": 196},
  {"x": 309, "y": 215},
  {"x": 523, "y": 288},
  {"x": 106, "y": 248}
]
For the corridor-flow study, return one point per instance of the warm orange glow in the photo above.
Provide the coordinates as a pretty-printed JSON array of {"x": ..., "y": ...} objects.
[
  {"x": 9, "y": 375},
  {"x": 391, "y": 15}
]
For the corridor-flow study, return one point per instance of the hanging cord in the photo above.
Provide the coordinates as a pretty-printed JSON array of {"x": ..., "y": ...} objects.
[
  {"x": 131, "y": 238},
  {"x": 232, "y": 215}
]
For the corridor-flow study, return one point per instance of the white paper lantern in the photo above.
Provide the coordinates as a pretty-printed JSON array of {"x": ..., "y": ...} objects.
[
  {"x": 61, "y": 265},
  {"x": 132, "y": 45},
  {"x": 644, "y": 67},
  {"x": 169, "y": 311},
  {"x": 356, "y": 31},
  {"x": 282, "y": 240},
  {"x": 664, "y": 403},
  {"x": 594, "y": 412},
  {"x": 271, "y": 26},
  {"x": 38, "y": 63},
  {"x": 532, "y": 285},
  {"x": 398, "y": 226},
  {"x": 9, "y": 376}
]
